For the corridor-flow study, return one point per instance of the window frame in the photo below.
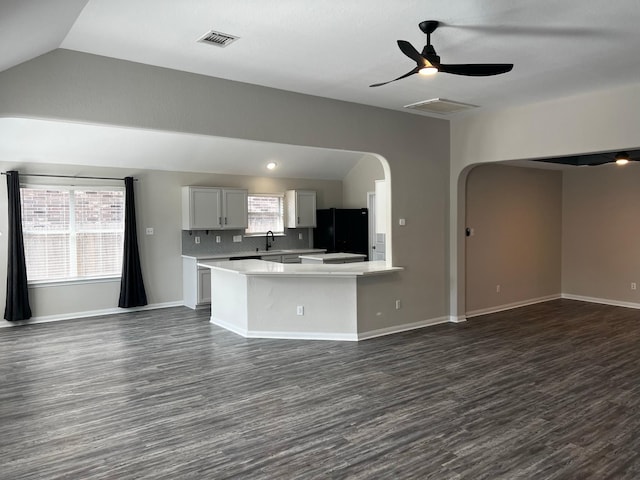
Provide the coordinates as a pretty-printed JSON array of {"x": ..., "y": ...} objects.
[
  {"x": 77, "y": 280},
  {"x": 277, "y": 233}
]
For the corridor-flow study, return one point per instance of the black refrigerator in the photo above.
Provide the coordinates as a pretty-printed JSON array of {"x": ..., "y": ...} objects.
[{"x": 343, "y": 230}]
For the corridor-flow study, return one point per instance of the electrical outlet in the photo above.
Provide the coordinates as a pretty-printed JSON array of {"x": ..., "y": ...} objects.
[
  {"x": 402, "y": 222},
  {"x": 634, "y": 286},
  {"x": 237, "y": 238},
  {"x": 197, "y": 240},
  {"x": 398, "y": 304},
  {"x": 218, "y": 239},
  {"x": 149, "y": 231},
  {"x": 299, "y": 236},
  {"x": 300, "y": 310},
  {"x": 497, "y": 288}
]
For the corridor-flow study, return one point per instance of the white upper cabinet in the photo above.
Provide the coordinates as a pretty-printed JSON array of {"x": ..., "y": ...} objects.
[
  {"x": 301, "y": 208},
  {"x": 213, "y": 208},
  {"x": 234, "y": 209},
  {"x": 201, "y": 208}
]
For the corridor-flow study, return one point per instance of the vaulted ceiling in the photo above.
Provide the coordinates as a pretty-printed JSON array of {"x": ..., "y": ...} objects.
[{"x": 336, "y": 49}]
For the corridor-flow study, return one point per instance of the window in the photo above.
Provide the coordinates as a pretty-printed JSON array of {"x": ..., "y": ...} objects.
[
  {"x": 265, "y": 212},
  {"x": 72, "y": 233}
]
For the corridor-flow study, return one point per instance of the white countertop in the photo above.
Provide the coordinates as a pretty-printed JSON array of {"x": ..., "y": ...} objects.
[
  {"x": 253, "y": 253},
  {"x": 261, "y": 267},
  {"x": 332, "y": 256}
]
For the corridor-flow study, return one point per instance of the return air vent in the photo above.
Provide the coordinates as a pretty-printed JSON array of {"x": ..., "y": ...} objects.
[
  {"x": 440, "y": 106},
  {"x": 218, "y": 39}
]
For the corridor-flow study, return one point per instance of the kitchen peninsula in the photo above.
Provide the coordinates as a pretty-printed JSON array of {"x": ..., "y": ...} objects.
[
  {"x": 261, "y": 299},
  {"x": 196, "y": 281}
]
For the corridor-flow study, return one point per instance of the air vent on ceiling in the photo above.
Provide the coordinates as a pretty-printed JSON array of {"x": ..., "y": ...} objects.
[
  {"x": 217, "y": 38},
  {"x": 441, "y": 106}
]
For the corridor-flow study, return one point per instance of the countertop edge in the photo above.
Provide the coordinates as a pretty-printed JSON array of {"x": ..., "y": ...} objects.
[
  {"x": 249, "y": 253},
  {"x": 292, "y": 270}
]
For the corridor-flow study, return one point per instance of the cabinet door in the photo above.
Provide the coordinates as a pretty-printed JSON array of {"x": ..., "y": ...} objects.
[
  {"x": 291, "y": 259},
  {"x": 305, "y": 209},
  {"x": 204, "y": 208},
  {"x": 235, "y": 209},
  {"x": 272, "y": 258},
  {"x": 300, "y": 208},
  {"x": 204, "y": 286}
]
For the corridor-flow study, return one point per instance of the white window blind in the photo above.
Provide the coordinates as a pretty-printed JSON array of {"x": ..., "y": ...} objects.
[
  {"x": 72, "y": 232},
  {"x": 265, "y": 212}
]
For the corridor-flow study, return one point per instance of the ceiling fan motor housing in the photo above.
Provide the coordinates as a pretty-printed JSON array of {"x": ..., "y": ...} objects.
[{"x": 430, "y": 54}]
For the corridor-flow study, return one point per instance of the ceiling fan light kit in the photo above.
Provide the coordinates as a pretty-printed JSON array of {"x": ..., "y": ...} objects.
[{"x": 428, "y": 62}]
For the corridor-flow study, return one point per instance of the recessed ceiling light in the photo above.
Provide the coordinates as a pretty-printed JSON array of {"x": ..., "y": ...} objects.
[
  {"x": 272, "y": 165},
  {"x": 622, "y": 158}
]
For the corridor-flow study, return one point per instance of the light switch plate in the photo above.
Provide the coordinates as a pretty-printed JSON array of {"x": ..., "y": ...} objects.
[{"x": 237, "y": 238}]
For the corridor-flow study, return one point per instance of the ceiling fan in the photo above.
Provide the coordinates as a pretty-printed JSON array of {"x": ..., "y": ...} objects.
[{"x": 428, "y": 62}]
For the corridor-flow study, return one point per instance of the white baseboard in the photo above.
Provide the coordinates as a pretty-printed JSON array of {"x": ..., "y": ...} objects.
[
  {"x": 458, "y": 319},
  {"x": 89, "y": 313},
  {"x": 342, "y": 337},
  {"x": 401, "y": 328},
  {"x": 603, "y": 301},
  {"x": 283, "y": 335},
  {"x": 229, "y": 326},
  {"x": 509, "y": 306}
]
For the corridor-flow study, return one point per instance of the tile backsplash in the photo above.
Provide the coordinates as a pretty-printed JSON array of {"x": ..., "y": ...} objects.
[{"x": 208, "y": 244}]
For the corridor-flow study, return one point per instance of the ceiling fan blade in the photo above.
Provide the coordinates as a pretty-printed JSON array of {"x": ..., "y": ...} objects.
[
  {"x": 411, "y": 52},
  {"x": 415, "y": 70},
  {"x": 476, "y": 69}
]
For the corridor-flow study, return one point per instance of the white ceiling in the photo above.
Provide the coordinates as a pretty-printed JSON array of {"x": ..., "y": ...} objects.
[{"x": 336, "y": 49}]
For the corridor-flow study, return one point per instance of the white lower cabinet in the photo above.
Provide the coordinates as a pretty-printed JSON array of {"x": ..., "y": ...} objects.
[
  {"x": 290, "y": 258},
  {"x": 204, "y": 285},
  {"x": 272, "y": 258},
  {"x": 196, "y": 283}
]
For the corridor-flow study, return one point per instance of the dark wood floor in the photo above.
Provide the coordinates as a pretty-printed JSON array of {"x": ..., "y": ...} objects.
[{"x": 550, "y": 391}]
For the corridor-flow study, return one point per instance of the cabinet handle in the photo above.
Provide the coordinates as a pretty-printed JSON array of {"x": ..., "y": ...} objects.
[
  {"x": 219, "y": 220},
  {"x": 225, "y": 220},
  {"x": 298, "y": 220}
]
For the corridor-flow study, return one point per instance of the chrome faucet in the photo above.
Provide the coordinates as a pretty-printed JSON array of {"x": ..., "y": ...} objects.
[{"x": 273, "y": 239}]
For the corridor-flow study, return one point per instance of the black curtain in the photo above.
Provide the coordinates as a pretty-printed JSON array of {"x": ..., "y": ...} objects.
[
  {"x": 17, "y": 303},
  {"x": 132, "y": 292}
]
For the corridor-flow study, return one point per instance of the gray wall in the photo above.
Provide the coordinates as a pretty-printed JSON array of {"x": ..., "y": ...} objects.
[
  {"x": 360, "y": 180},
  {"x": 74, "y": 86},
  {"x": 588, "y": 122},
  {"x": 516, "y": 215},
  {"x": 158, "y": 203},
  {"x": 601, "y": 228}
]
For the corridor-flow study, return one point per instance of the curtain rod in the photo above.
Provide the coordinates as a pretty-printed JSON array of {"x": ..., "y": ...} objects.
[{"x": 67, "y": 176}]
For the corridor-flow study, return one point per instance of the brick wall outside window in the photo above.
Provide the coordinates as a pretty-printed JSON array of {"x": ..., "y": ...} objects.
[
  {"x": 72, "y": 232},
  {"x": 266, "y": 212}
]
